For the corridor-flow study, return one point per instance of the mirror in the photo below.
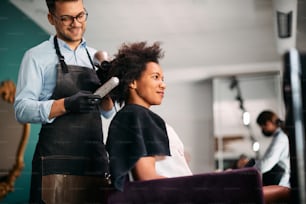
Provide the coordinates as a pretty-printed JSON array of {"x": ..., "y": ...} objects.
[
  {"x": 13, "y": 140},
  {"x": 236, "y": 97}
]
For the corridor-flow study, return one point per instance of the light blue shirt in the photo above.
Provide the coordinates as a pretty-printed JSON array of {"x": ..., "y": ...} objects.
[{"x": 37, "y": 79}]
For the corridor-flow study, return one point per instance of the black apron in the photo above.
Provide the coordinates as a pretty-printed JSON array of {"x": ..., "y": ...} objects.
[{"x": 73, "y": 143}]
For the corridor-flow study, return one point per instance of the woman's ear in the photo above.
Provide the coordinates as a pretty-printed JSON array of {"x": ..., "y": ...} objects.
[
  {"x": 51, "y": 19},
  {"x": 132, "y": 85}
]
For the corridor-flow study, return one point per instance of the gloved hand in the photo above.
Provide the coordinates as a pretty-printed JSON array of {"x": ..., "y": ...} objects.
[{"x": 82, "y": 101}]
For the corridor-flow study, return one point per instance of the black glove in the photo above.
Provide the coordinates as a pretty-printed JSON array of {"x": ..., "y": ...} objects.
[{"x": 82, "y": 101}]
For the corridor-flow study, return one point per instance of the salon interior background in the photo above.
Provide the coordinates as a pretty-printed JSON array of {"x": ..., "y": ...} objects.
[{"x": 205, "y": 42}]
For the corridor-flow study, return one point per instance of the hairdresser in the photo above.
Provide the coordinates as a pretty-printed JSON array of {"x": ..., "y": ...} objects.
[{"x": 55, "y": 87}]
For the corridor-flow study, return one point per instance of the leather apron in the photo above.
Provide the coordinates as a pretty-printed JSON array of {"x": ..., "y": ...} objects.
[{"x": 70, "y": 153}]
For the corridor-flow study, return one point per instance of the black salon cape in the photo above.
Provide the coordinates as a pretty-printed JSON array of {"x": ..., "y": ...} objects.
[{"x": 134, "y": 132}]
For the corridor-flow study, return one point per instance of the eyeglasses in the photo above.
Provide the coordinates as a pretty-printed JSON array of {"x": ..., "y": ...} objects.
[{"x": 67, "y": 19}]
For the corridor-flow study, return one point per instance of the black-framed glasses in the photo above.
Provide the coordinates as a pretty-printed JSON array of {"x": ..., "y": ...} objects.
[{"x": 67, "y": 19}]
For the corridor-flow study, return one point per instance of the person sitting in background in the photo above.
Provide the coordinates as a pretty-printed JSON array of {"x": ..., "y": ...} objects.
[
  {"x": 275, "y": 163},
  {"x": 140, "y": 144}
]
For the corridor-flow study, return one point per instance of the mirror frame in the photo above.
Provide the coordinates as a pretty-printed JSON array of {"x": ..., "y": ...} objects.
[{"x": 7, "y": 91}]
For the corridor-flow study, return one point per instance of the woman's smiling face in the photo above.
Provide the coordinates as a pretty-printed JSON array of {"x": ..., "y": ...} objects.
[{"x": 149, "y": 89}]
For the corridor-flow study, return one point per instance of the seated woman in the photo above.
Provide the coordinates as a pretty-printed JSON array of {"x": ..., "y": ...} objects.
[{"x": 140, "y": 144}]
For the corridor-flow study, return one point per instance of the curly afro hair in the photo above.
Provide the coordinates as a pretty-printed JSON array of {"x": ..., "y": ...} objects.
[{"x": 129, "y": 63}]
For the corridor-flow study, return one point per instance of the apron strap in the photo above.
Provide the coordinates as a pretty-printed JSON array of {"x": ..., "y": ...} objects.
[
  {"x": 60, "y": 56},
  {"x": 62, "y": 59},
  {"x": 91, "y": 62}
]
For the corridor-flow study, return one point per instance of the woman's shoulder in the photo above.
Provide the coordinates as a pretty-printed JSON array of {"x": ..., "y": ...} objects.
[
  {"x": 129, "y": 114},
  {"x": 134, "y": 110},
  {"x": 282, "y": 137},
  {"x": 132, "y": 113},
  {"x": 142, "y": 111}
]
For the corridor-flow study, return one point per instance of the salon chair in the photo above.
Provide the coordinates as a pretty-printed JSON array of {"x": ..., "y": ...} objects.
[{"x": 230, "y": 187}]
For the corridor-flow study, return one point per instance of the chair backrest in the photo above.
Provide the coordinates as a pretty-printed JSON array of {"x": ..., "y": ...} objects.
[{"x": 235, "y": 186}]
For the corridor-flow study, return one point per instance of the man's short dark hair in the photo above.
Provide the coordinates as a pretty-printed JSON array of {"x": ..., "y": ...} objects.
[{"x": 51, "y": 4}]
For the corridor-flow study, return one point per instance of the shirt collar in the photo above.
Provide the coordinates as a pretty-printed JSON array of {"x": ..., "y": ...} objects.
[{"x": 63, "y": 44}]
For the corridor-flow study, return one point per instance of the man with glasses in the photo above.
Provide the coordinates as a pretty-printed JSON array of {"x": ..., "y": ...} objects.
[{"x": 55, "y": 87}]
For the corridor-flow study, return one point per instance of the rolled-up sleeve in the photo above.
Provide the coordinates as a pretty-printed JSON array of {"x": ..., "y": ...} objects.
[
  {"x": 108, "y": 114},
  {"x": 30, "y": 111}
]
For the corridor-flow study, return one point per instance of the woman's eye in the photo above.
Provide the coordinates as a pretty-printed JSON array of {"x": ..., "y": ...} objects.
[{"x": 155, "y": 77}]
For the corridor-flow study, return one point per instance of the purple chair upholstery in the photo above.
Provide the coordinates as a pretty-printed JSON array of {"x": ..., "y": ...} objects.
[{"x": 228, "y": 187}]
